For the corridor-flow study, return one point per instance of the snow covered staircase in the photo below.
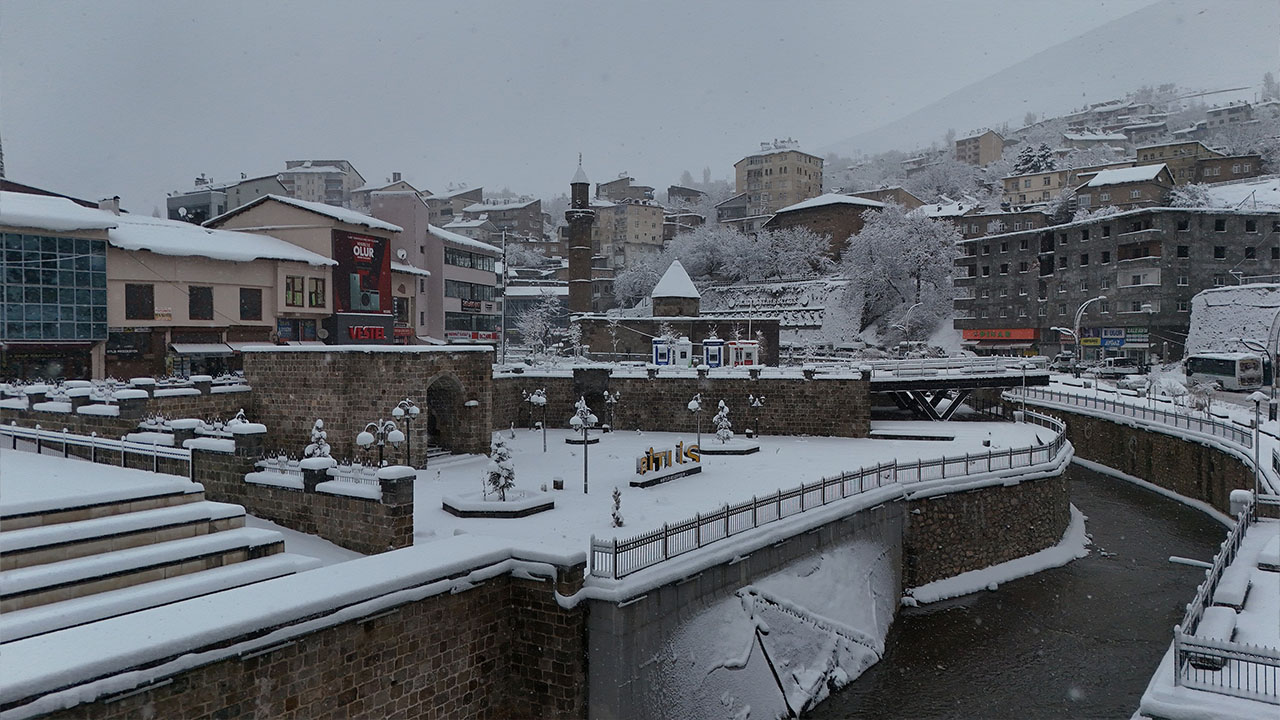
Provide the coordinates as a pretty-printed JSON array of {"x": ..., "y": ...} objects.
[{"x": 435, "y": 451}]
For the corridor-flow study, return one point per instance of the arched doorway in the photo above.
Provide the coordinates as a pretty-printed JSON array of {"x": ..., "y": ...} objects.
[{"x": 444, "y": 411}]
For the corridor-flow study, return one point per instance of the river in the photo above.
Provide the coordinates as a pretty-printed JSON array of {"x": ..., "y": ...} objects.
[{"x": 1079, "y": 641}]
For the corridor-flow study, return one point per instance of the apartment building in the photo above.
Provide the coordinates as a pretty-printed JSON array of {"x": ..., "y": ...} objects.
[
  {"x": 447, "y": 206},
  {"x": 622, "y": 189},
  {"x": 1013, "y": 288},
  {"x": 981, "y": 148},
  {"x": 1230, "y": 114},
  {"x": 1228, "y": 167},
  {"x": 470, "y": 307},
  {"x": 522, "y": 218},
  {"x": 627, "y": 231},
  {"x": 680, "y": 196},
  {"x": 894, "y": 194},
  {"x": 209, "y": 199},
  {"x": 1181, "y": 158},
  {"x": 362, "y": 197},
  {"x": 978, "y": 224},
  {"x": 330, "y": 182},
  {"x": 1041, "y": 187},
  {"x": 836, "y": 216},
  {"x": 1126, "y": 188},
  {"x": 777, "y": 176}
]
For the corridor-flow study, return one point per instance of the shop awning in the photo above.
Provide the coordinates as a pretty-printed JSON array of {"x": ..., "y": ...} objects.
[
  {"x": 995, "y": 345},
  {"x": 241, "y": 345},
  {"x": 201, "y": 348},
  {"x": 304, "y": 342}
]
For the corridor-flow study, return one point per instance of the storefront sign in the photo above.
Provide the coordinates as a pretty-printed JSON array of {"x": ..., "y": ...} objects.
[
  {"x": 164, "y": 313},
  {"x": 1112, "y": 342},
  {"x": 367, "y": 332},
  {"x": 362, "y": 279},
  {"x": 471, "y": 335},
  {"x": 1136, "y": 334},
  {"x": 1112, "y": 332},
  {"x": 362, "y": 328},
  {"x": 1090, "y": 341},
  {"x": 470, "y": 306},
  {"x": 999, "y": 334}
]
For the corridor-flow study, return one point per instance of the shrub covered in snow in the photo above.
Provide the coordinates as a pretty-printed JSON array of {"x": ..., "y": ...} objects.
[
  {"x": 500, "y": 475},
  {"x": 724, "y": 428},
  {"x": 617, "y": 508},
  {"x": 319, "y": 445}
]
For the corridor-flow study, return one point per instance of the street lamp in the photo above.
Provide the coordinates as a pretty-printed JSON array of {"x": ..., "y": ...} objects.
[
  {"x": 695, "y": 407},
  {"x": 1148, "y": 310},
  {"x": 408, "y": 410},
  {"x": 756, "y": 403},
  {"x": 905, "y": 325},
  {"x": 611, "y": 400},
  {"x": 583, "y": 419},
  {"x": 538, "y": 398},
  {"x": 1025, "y": 367},
  {"x": 1076, "y": 325},
  {"x": 381, "y": 432},
  {"x": 1258, "y": 397},
  {"x": 1075, "y": 342}
]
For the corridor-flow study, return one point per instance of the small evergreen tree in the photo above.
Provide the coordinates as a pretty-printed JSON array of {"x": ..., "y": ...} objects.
[
  {"x": 500, "y": 475},
  {"x": 617, "y": 508},
  {"x": 319, "y": 446},
  {"x": 724, "y": 428}
]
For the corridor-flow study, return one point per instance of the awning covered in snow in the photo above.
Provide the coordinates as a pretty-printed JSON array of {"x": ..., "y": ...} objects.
[{"x": 201, "y": 348}]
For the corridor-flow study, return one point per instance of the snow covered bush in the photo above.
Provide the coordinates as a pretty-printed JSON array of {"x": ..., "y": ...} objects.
[
  {"x": 617, "y": 508},
  {"x": 724, "y": 428},
  {"x": 319, "y": 445},
  {"x": 500, "y": 475}
]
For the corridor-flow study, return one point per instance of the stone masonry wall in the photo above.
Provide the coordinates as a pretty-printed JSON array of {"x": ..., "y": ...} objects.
[
  {"x": 951, "y": 534},
  {"x": 348, "y": 389},
  {"x": 220, "y": 406},
  {"x": 793, "y": 405},
  {"x": 504, "y": 649}
]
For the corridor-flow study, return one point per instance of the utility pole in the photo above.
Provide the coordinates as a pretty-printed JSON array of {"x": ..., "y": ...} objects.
[{"x": 502, "y": 356}]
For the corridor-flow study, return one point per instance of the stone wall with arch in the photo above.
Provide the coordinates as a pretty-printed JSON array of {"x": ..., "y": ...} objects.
[{"x": 349, "y": 386}]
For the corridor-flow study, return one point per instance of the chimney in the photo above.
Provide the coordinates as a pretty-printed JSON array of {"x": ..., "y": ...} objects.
[
  {"x": 395, "y": 177},
  {"x": 111, "y": 204}
]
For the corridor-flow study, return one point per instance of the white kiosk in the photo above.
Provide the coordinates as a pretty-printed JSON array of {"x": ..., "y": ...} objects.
[
  {"x": 743, "y": 353},
  {"x": 713, "y": 352}
]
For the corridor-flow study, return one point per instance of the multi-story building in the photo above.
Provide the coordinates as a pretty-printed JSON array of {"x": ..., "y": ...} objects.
[
  {"x": 1228, "y": 167},
  {"x": 981, "y": 148},
  {"x": 677, "y": 222},
  {"x": 627, "y": 232},
  {"x": 447, "y": 206},
  {"x": 777, "y": 176},
  {"x": 894, "y": 194},
  {"x": 470, "y": 306},
  {"x": 1181, "y": 157},
  {"x": 479, "y": 228},
  {"x": 1041, "y": 187},
  {"x": 733, "y": 212},
  {"x": 1013, "y": 289},
  {"x": 680, "y": 196},
  {"x": 1230, "y": 114},
  {"x": 978, "y": 224},
  {"x": 324, "y": 181},
  {"x": 209, "y": 199},
  {"x": 1126, "y": 188},
  {"x": 838, "y": 217},
  {"x": 522, "y": 218},
  {"x": 1145, "y": 132},
  {"x": 362, "y": 197},
  {"x": 623, "y": 188}
]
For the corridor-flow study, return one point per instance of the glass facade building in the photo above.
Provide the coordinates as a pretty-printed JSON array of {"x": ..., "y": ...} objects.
[{"x": 54, "y": 289}]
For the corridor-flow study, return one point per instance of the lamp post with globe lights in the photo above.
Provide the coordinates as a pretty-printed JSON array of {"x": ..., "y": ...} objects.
[
  {"x": 408, "y": 410},
  {"x": 583, "y": 419},
  {"x": 380, "y": 433},
  {"x": 695, "y": 407}
]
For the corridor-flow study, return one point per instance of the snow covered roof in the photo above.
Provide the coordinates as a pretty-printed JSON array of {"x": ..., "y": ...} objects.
[
  {"x": 51, "y": 213},
  {"x": 676, "y": 283},
  {"x": 1140, "y": 173},
  {"x": 350, "y": 217},
  {"x": 463, "y": 240},
  {"x": 460, "y": 223},
  {"x": 831, "y": 199},
  {"x": 579, "y": 176},
  {"x": 174, "y": 237},
  {"x": 489, "y": 207},
  {"x": 1255, "y": 193},
  {"x": 314, "y": 169},
  {"x": 452, "y": 193},
  {"x": 951, "y": 208},
  {"x": 536, "y": 290},
  {"x": 408, "y": 269},
  {"x": 1095, "y": 137}
]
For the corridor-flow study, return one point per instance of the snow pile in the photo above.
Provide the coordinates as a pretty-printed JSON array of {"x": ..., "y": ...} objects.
[
  {"x": 1140, "y": 173},
  {"x": 173, "y": 237},
  {"x": 55, "y": 214},
  {"x": 1256, "y": 194},
  {"x": 1221, "y": 316}
]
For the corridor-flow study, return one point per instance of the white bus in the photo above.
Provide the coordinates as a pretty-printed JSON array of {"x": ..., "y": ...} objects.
[{"x": 1230, "y": 371}]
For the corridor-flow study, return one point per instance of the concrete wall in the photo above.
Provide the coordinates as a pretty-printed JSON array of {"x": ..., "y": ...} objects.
[{"x": 212, "y": 406}]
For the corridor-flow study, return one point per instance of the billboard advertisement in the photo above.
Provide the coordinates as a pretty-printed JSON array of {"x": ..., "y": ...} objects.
[{"x": 362, "y": 279}]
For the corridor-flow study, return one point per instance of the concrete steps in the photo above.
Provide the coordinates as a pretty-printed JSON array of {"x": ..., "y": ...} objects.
[
  {"x": 129, "y": 502},
  {"x": 20, "y": 624},
  {"x": 36, "y": 585}
]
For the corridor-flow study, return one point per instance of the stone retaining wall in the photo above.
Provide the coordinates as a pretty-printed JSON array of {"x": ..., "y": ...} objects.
[
  {"x": 211, "y": 406},
  {"x": 503, "y": 649}
]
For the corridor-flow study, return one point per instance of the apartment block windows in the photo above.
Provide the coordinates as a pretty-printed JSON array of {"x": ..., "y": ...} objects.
[
  {"x": 1135, "y": 306},
  {"x": 1251, "y": 225},
  {"x": 1220, "y": 225},
  {"x": 1084, "y": 234},
  {"x": 1184, "y": 306},
  {"x": 986, "y": 271},
  {"x": 1135, "y": 194},
  {"x": 1184, "y": 225},
  {"x": 1084, "y": 286},
  {"x": 139, "y": 302},
  {"x": 1106, "y": 257},
  {"x": 1042, "y": 311},
  {"x": 1062, "y": 261},
  {"x": 1004, "y": 268},
  {"x": 250, "y": 304},
  {"x": 1004, "y": 247},
  {"x": 1106, "y": 231},
  {"x": 1219, "y": 252},
  {"x": 1250, "y": 253},
  {"x": 1023, "y": 266},
  {"x": 1104, "y": 196},
  {"x": 1182, "y": 281},
  {"x": 1219, "y": 281},
  {"x": 1184, "y": 251},
  {"x": 1062, "y": 238},
  {"x": 1084, "y": 260},
  {"x": 1023, "y": 244},
  {"x": 1275, "y": 253},
  {"x": 1104, "y": 283},
  {"x": 986, "y": 249},
  {"x": 293, "y": 290},
  {"x": 316, "y": 293},
  {"x": 200, "y": 303},
  {"x": 1104, "y": 306}
]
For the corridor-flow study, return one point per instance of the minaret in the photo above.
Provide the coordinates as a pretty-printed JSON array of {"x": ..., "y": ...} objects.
[{"x": 580, "y": 217}]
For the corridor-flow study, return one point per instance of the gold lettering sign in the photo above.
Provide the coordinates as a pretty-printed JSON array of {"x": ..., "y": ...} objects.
[{"x": 654, "y": 460}]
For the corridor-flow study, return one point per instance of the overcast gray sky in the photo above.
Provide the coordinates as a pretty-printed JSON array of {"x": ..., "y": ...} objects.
[{"x": 137, "y": 97}]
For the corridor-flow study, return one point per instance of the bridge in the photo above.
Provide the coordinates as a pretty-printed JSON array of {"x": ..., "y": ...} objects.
[{"x": 933, "y": 388}]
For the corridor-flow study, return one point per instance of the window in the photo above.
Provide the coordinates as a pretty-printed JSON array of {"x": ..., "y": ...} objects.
[
  {"x": 1246, "y": 167},
  {"x": 1046, "y": 181},
  {"x": 422, "y": 317},
  {"x": 1004, "y": 247},
  {"x": 1004, "y": 268},
  {"x": 1017, "y": 225},
  {"x": 1219, "y": 281},
  {"x": 1106, "y": 231},
  {"x": 1135, "y": 194},
  {"x": 1135, "y": 279},
  {"x": 1251, "y": 225},
  {"x": 1220, "y": 225},
  {"x": 139, "y": 302},
  {"x": 293, "y": 285},
  {"x": 986, "y": 271},
  {"x": 1042, "y": 311},
  {"x": 1182, "y": 280},
  {"x": 1106, "y": 257},
  {"x": 1084, "y": 260},
  {"x": 1104, "y": 283},
  {"x": 1104, "y": 306},
  {"x": 1135, "y": 306},
  {"x": 1184, "y": 251},
  {"x": 1023, "y": 266},
  {"x": 1184, "y": 306},
  {"x": 200, "y": 303},
  {"x": 1184, "y": 225},
  {"x": 1004, "y": 292},
  {"x": 1083, "y": 200},
  {"x": 1062, "y": 238},
  {"x": 250, "y": 304},
  {"x": 1275, "y": 253},
  {"x": 1235, "y": 168},
  {"x": 315, "y": 294},
  {"x": 1062, "y": 261},
  {"x": 1026, "y": 183},
  {"x": 1219, "y": 252},
  {"x": 1022, "y": 292},
  {"x": 1062, "y": 308},
  {"x": 1023, "y": 244},
  {"x": 1022, "y": 312},
  {"x": 984, "y": 314},
  {"x": 468, "y": 291},
  {"x": 1084, "y": 286},
  {"x": 985, "y": 293},
  {"x": 986, "y": 249},
  {"x": 1250, "y": 253},
  {"x": 1084, "y": 234},
  {"x": 1104, "y": 196}
]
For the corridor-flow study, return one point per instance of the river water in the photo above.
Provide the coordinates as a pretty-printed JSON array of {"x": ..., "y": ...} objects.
[{"x": 1079, "y": 641}]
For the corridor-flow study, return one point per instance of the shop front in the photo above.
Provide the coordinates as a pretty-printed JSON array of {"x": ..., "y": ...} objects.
[
  {"x": 46, "y": 361},
  {"x": 1001, "y": 341}
]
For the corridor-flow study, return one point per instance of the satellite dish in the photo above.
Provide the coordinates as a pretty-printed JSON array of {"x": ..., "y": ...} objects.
[
  {"x": 322, "y": 334},
  {"x": 402, "y": 253},
  {"x": 182, "y": 212}
]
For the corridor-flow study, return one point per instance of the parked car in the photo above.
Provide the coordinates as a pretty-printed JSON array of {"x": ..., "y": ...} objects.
[
  {"x": 1116, "y": 367},
  {"x": 1062, "y": 362}
]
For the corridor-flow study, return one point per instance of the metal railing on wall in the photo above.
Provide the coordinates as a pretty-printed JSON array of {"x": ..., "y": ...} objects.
[
  {"x": 617, "y": 558},
  {"x": 65, "y": 440}
]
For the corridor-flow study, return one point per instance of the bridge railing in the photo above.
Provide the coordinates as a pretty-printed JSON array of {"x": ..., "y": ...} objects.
[
  {"x": 1222, "y": 666},
  {"x": 922, "y": 366},
  {"x": 619, "y": 557},
  {"x": 65, "y": 440},
  {"x": 1229, "y": 431}
]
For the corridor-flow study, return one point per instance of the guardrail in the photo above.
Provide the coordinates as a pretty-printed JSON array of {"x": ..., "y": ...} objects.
[
  {"x": 67, "y": 440},
  {"x": 1222, "y": 666},
  {"x": 1227, "y": 431},
  {"x": 618, "y": 558}
]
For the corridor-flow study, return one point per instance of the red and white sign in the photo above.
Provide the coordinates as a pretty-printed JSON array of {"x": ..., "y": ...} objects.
[{"x": 367, "y": 332}]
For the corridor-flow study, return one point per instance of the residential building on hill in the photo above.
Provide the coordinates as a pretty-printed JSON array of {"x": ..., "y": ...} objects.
[
  {"x": 981, "y": 148},
  {"x": 623, "y": 188},
  {"x": 522, "y": 218},
  {"x": 1228, "y": 167},
  {"x": 627, "y": 232},
  {"x": 1181, "y": 158},
  {"x": 1013, "y": 288},
  {"x": 1126, "y": 188},
  {"x": 893, "y": 194},
  {"x": 1041, "y": 187},
  {"x": 209, "y": 199},
  {"x": 1230, "y": 114},
  {"x": 678, "y": 195},
  {"x": 836, "y": 216},
  {"x": 777, "y": 176},
  {"x": 324, "y": 181},
  {"x": 447, "y": 206},
  {"x": 361, "y": 198}
]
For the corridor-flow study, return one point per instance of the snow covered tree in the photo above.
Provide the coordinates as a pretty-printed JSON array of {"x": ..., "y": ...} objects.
[
  {"x": 786, "y": 254},
  {"x": 574, "y": 336},
  {"x": 667, "y": 332},
  {"x": 724, "y": 428},
  {"x": 1190, "y": 196},
  {"x": 900, "y": 259},
  {"x": 1034, "y": 159},
  {"x": 500, "y": 475},
  {"x": 536, "y": 322},
  {"x": 617, "y": 508},
  {"x": 319, "y": 445}
]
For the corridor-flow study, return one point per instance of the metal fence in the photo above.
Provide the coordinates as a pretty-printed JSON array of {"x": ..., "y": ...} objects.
[
  {"x": 1242, "y": 436},
  {"x": 65, "y": 440},
  {"x": 617, "y": 558},
  {"x": 1222, "y": 666}
]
